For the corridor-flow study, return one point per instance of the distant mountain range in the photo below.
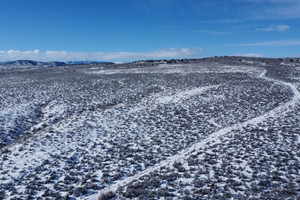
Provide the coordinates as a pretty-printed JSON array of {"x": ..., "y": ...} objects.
[
  {"x": 84, "y": 62},
  {"x": 34, "y": 63},
  {"x": 24, "y": 64},
  {"x": 52, "y": 63}
]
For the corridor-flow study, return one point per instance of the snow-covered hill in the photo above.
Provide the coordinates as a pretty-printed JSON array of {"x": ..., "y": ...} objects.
[
  {"x": 215, "y": 128},
  {"x": 23, "y": 64},
  {"x": 34, "y": 63}
]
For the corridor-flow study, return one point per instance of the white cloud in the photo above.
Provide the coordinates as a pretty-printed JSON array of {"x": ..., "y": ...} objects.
[
  {"x": 197, "y": 49},
  {"x": 272, "y": 43},
  {"x": 13, "y": 52},
  {"x": 250, "y": 55},
  {"x": 31, "y": 52},
  {"x": 100, "y": 56},
  {"x": 282, "y": 27},
  {"x": 279, "y": 28}
]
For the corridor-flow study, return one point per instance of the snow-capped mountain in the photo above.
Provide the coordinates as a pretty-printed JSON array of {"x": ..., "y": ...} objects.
[
  {"x": 24, "y": 64},
  {"x": 34, "y": 63}
]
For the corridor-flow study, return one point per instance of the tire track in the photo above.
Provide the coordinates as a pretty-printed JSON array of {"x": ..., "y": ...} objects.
[{"x": 212, "y": 139}]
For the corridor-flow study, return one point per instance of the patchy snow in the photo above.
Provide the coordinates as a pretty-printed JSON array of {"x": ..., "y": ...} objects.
[
  {"x": 183, "y": 95},
  {"x": 168, "y": 130},
  {"x": 212, "y": 139}
]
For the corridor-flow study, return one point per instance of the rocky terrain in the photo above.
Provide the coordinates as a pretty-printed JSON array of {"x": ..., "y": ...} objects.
[{"x": 213, "y": 128}]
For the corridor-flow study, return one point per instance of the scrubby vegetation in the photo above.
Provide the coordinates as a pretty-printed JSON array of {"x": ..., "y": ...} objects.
[{"x": 222, "y": 127}]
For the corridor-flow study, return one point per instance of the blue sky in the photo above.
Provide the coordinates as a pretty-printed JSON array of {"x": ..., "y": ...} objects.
[{"x": 126, "y": 30}]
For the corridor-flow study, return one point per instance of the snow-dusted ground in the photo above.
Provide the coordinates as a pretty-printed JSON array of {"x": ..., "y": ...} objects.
[{"x": 194, "y": 131}]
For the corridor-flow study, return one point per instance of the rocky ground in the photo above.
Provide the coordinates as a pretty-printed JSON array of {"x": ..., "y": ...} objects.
[{"x": 215, "y": 128}]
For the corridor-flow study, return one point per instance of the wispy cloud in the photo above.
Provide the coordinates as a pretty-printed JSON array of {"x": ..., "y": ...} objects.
[
  {"x": 272, "y": 43},
  {"x": 214, "y": 32},
  {"x": 273, "y": 1},
  {"x": 100, "y": 56},
  {"x": 252, "y": 10},
  {"x": 234, "y": 21},
  {"x": 275, "y": 9},
  {"x": 224, "y": 21},
  {"x": 278, "y": 28},
  {"x": 250, "y": 55}
]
